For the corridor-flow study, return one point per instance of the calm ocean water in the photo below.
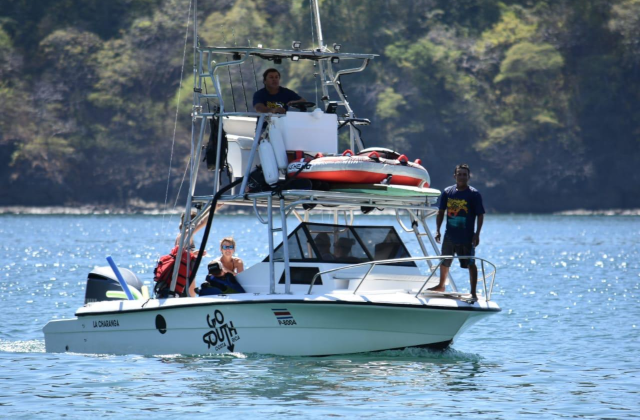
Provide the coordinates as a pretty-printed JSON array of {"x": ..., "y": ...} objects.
[{"x": 565, "y": 346}]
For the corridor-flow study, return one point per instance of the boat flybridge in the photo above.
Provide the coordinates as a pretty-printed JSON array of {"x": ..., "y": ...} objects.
[{"x": 327, "y": 288}]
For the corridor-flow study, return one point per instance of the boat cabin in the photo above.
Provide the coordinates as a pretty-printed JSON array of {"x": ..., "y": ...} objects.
[{"x": 317, "y": 247}]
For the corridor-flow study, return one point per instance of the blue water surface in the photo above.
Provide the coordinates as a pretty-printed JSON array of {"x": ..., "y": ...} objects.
[{"x": 565, "y": 345}]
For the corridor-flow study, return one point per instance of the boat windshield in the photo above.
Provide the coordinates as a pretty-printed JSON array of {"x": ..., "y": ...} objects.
[{"x": 317, "y": 242}]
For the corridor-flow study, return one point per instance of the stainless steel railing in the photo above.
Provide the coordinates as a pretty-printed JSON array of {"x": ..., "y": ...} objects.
[{"x": 441, "y": 258}]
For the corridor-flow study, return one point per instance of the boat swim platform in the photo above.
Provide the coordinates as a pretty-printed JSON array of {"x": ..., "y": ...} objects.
[{"x": 327, "y": 200}]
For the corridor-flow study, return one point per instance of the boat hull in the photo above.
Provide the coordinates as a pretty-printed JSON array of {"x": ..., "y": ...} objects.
[{"x": 291, "y": 328}]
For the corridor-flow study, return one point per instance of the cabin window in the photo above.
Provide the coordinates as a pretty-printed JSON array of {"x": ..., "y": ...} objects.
[
  {"x": 317, "y": 242},
  {"x": 336, "y": 243},
  {"x": 382, "y": 243},
  {"x": 298, "y": 247}
]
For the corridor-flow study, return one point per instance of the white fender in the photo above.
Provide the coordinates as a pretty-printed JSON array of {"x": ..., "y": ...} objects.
[
  {"x": 268, "y": 160},
  {"x": 277, "y": 142}
]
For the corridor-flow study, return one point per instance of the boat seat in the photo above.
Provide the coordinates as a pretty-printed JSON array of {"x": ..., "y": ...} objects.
[
  {"x": 240, "y": 126},
  {"x": 240, "y": 133},
  {"x": 307, "y": 131},
  {"x": 310, "y": 132},
  {"x": 238, "y": 154}
]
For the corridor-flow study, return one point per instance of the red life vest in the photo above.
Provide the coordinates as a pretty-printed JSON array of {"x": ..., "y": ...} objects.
[{"x": 164, "y": 270}]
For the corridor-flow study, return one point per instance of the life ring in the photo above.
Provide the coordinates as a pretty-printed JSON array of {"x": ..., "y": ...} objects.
[{"x": 369, "y": 168}]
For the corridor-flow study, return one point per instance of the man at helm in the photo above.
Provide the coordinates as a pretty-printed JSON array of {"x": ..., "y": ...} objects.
[{"x": 273, "y": 98}]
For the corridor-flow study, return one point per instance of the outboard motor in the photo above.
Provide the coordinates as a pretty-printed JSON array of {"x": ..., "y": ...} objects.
[{"x": 103, "y": 279}]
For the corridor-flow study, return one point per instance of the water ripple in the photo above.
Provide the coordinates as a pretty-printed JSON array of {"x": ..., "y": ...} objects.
[{"x": 564, "y": 346}]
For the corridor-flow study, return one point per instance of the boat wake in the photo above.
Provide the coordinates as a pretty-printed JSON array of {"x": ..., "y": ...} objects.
[
  {"x": 212, "y": 356},
  {"x": 410, "y": 353},
  {"x": 449, "y": 354},
  {"x": 413, "y": 353}
]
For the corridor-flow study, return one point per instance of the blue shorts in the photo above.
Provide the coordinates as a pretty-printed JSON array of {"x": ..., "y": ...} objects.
[{"x": 449, "y": 248}]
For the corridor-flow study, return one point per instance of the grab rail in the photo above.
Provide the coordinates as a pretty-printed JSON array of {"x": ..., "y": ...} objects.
[
  {"x": 373, "y": 264},
  {"x": 402, "y": 224}
]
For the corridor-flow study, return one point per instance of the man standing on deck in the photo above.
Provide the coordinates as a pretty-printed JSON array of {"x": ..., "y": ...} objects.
[
  {"x": 273, "y": 98},
  {"x": 463, "y": 204}
]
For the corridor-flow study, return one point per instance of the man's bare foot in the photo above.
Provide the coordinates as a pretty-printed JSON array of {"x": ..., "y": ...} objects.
[{"x": 437, "y": 288}]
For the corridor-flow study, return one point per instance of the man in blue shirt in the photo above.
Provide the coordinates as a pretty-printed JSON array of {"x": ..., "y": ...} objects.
[
  {"x": 273, "y": 98},
  {"x": 463, "y": 204}
]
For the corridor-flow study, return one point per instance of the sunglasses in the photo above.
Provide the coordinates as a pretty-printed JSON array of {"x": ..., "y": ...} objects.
[{"x": 228, "y": 247}]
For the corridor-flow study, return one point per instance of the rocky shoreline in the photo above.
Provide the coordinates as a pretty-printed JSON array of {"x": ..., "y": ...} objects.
[
  {"x": 610, "y": 212},
  {"x": 83, "y": 210}
]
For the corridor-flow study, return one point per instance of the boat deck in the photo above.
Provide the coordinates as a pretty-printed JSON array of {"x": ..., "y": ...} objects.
[{"x": 388, "y": 298}]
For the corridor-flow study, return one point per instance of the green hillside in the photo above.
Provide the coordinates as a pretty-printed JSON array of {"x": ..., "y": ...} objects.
[{"x": 541, "y": 98}]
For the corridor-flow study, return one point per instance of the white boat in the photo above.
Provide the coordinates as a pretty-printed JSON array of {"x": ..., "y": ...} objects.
[{"x": 299, "y": 301}]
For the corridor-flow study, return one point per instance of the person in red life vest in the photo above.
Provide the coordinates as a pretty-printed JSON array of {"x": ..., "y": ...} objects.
[
  {"x": 273, "y": 98},
  {"x": 192, "y": 247}
]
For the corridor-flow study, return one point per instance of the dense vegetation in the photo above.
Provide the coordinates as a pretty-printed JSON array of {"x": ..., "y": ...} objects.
[{"x": 541, "y": 98}]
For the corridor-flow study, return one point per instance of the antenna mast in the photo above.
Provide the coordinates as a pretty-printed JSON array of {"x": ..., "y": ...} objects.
[
  {"x": 321, "y": 48},
  {"x": 316, "y": 11},
  {"x": 196, "y": 110}
]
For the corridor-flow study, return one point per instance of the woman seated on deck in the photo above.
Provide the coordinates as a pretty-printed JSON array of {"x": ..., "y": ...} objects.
[{"x": 229, "y": 263}]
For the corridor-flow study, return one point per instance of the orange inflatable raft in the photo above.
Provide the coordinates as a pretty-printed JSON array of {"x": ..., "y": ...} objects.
[{"x": 368, "y": 167}]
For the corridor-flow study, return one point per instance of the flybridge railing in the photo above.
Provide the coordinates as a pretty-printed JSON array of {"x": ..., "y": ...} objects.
[
  {"x": 239, "y": 55},
  {"x": 442, "y": 258}
]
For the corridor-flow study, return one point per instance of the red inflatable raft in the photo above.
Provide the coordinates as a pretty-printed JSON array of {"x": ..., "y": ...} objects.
[{"x": 364, "y": 168}]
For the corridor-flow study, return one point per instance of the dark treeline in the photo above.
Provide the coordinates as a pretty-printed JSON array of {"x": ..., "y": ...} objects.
[{"x": 541, "y": 98}]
